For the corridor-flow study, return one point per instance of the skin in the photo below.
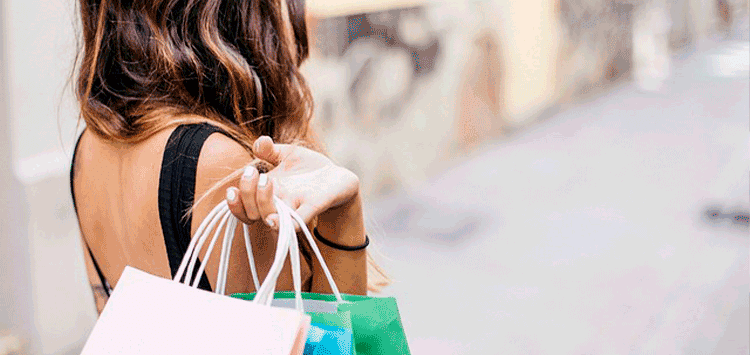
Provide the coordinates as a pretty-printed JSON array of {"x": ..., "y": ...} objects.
[
  {"x": 313, "y": 186},
  {"x": 116, "y": 187}
]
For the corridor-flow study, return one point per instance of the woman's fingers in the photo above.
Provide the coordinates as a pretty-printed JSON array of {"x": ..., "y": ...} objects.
[
  {"x": 248, "y": 184},
  {"x": 264, "y": 148},
  {"x": 264, "y": 200},
  {"x": 267, "y": 205},
  {"x": 235, "y": 205}
]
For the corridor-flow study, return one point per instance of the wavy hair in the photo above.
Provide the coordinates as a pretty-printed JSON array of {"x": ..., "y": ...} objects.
[
  {"x": 146, "y": 65},
  {"x": 233, "y": 62}
]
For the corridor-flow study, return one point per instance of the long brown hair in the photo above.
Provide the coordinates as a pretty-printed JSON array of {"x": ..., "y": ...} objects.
[
  {"x": 146, "y": 65},
  {"x": 230, "y": 62}
]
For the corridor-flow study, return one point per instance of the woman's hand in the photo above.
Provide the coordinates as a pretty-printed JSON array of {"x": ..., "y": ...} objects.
[
  {"x": 305, "y": 180},
  {"x": 313, "y": 186}
]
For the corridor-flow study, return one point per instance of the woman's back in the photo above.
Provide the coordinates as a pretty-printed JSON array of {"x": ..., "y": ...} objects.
[
  {"x": 117, "y": 189},
  {"x": 148, "y": 68},
  {"x": 116, "y": 192}
]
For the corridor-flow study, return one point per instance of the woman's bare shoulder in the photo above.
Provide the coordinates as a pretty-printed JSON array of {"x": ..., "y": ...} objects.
[
  {"x": 220, "y": 157},
  {"x": 220, "y": 165}
]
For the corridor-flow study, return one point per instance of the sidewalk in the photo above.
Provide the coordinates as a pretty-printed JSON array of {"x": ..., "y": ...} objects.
[{"x": 587, "y": 233}]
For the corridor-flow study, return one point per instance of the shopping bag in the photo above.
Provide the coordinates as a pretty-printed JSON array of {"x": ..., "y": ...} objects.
[
  {"x": 375, "y": 321},
  {"x": 327, "y": 340},
  {"x": 321, "y": 313},
  {"x": 150, "y": 315},
  {"x": 147, "y": 314},
  {"x": 333, "y": 334}
]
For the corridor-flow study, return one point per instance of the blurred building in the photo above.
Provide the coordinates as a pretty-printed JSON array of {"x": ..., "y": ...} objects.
[{"x": 404, "y": 88}]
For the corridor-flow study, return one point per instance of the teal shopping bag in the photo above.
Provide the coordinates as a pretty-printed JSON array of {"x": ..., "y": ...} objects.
[
  {"x": 337, "y": 320},
  {"x": 328, "y": 340},
  {"x": 328, "y": 315},
  {"x": 375, "y": 321}
]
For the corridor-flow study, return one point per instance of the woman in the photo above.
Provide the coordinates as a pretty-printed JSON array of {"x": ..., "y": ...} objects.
[{"x": 178, "y": 98}]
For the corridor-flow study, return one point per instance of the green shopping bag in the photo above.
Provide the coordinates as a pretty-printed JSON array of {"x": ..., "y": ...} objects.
[{"x": 375, "y": 321}]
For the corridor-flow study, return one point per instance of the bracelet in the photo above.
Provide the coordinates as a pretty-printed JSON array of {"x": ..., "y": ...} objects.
[{"x": 339, "y": 246}]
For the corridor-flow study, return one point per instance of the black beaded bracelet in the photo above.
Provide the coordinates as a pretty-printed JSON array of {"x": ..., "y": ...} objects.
[{"x": 339, "y": 246}]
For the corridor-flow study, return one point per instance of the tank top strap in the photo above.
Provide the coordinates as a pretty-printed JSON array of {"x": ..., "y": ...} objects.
[{"x": 177, "y": 190}]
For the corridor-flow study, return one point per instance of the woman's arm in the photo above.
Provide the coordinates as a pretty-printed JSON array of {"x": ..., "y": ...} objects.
[
  {"x": 311, "y": 184},
  {"x": 220, "y": 166},
  {"x": 343, "y": 225},
  {"x": 305, "y": 180}
]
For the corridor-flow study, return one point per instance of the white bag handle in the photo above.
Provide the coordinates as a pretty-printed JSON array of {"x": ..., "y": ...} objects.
[
  {"x": 206, "y": 226},
  {"x": 250, "y": 259},
  {"x": 287, "y": 243},
  {"x": 286, "y": 236},
  {"x": 219, "y": 213},
  {"x": 294, "y": 260},
  {"x": 194, "y": 257},
  {"x": 224, "y": 259}
]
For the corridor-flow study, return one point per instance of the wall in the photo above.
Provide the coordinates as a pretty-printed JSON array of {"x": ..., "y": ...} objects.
[
  {"x": 332, "y": 8},
  {"x": 39, "y": 48},
  {"x": 16, "y": 308},
  {"x": 405, "y": 88},
  {"x": 401, "y": 92}
]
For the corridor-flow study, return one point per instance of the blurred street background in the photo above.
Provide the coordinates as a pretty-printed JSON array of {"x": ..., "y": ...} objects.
[
  {"x": 618, "y": 226},
  {"x": 542, "y": 177}
]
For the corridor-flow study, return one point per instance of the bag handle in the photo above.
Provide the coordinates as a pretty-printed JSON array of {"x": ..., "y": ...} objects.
[
  {"x": 250, "y": 259},
  {"x": 286, "y": 214},
  {"x": 226, "y": 250},
  {"x": 287, "y": 242},
  {"x": 211, "y": 245},
  {"x": 267, "y": 288},
  {"x": 294, "y": 259},
  {"x": 290, "y": 245},
  {"x": 220, "y": 214},
  {"x": 206, "y": 226}
]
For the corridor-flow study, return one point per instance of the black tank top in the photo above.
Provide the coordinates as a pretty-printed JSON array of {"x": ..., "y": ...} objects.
[{"x": 176, "y": 193}]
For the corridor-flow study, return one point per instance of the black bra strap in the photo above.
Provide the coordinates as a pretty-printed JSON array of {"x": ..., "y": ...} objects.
[
  {"x": 105, "y": 284},
  {"x": 177, "y": 190}
]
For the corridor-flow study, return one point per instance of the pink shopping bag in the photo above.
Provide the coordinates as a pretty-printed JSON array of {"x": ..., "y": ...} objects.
[{"x": 147, "y": 314}]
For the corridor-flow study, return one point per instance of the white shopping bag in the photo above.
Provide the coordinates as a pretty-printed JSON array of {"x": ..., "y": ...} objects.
[{"x": 147, "y": 314}]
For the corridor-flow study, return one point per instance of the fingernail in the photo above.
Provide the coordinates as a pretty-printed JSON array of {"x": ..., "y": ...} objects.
[
  {"x": 270, "y": 222},
  {"x": 249, "y": 172},
  {"x": 231, "y": 195},
  {"x": 263, "y": 180}
]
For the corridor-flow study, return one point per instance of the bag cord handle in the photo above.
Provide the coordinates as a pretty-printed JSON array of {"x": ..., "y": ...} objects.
[{"x": 287, "y": 243}]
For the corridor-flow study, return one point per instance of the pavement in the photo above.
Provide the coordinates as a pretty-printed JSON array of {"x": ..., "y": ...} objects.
[{"x": 616, "y": 226}]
